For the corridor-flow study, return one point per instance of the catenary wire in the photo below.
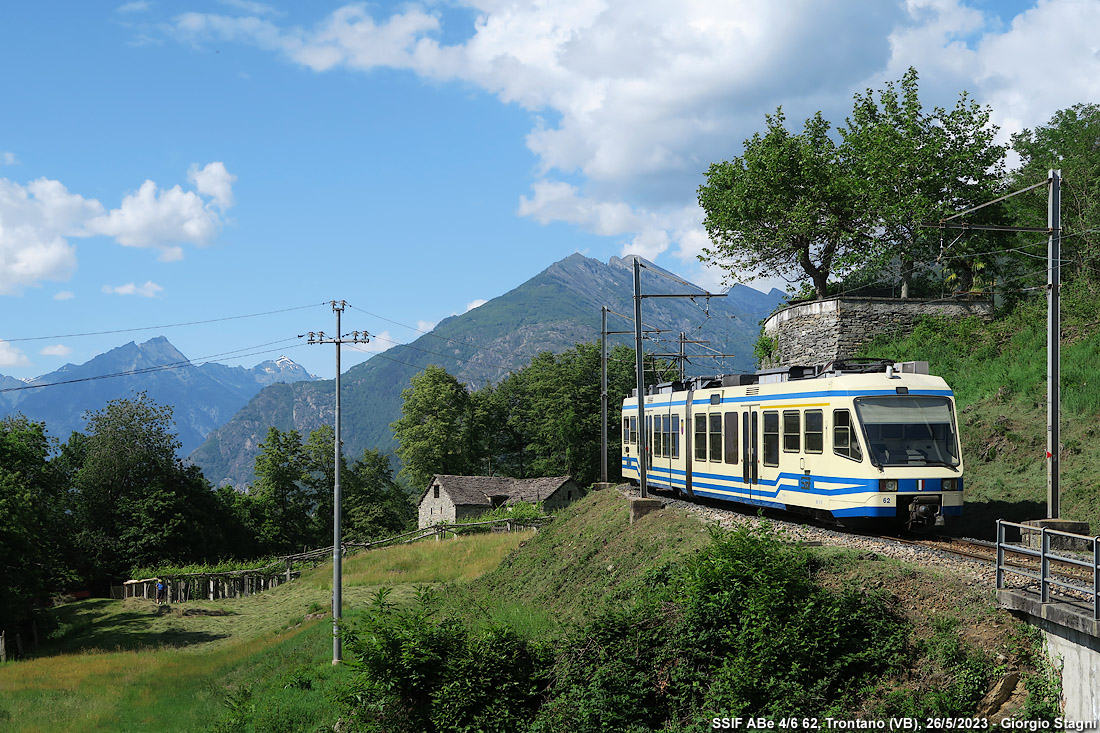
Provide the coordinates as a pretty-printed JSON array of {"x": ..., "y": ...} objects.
[
  {"x": 168, "y": 325},
  {"x": 287, "y": 345}
]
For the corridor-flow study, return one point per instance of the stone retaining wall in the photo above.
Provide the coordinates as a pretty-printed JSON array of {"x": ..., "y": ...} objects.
[{"x": 822, "y": 330}]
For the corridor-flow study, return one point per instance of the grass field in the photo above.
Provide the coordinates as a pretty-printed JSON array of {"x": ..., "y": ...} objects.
[{"x": 131, "y": 665}]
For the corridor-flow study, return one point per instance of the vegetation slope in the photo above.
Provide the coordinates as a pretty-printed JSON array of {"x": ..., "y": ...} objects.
[{"x": 590, "y": 624}]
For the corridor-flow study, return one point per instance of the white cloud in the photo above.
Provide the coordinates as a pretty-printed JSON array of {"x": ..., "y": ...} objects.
[
  {"x": 425, "y": 326},
  {"x": 11, "y": 356},
  {"x": 38, "y": 220},
  {"x": 149, "y": 290},
  {"x": 64, "y": 295},
  {"x": 475, "y": 304},
  {"x": 35, "y": 222},
  {"x": 7, "y": 158},
  {"x": 630, "y": 101},
  {"x": 153, "y": 217},
  {"x": 215, "y": 181},
  {"x": 56, "y": 350}
]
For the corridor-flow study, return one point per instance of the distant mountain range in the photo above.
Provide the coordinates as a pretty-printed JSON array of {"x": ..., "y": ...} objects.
[
  {"x": 553, "y": 311},
  {"x": 203, "y": 397}
]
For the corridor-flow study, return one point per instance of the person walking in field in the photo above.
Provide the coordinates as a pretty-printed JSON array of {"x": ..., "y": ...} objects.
[{"x": 160, "y": 592}]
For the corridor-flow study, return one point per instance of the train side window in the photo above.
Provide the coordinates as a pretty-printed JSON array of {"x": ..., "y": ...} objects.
[
  {"x": 792, "y": 430},
  {"x": 701, "y": 437},
  {"x": 675, "y": 436},
  {"x": 771, "y": 438},
  {"x": 715, "y": 436},
  {"x": 626, "y": 430},
  {"x": 634, "y": 430},
  {"x": 845, "y": 442},
  {"x": 815, "y": 431},
  {"x": 731, "y": 437},
  {"x": 666, "y": 438},
  {"x": 659, "y": 434}
]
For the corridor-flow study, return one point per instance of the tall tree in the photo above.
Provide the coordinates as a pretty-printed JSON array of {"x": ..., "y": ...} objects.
[
  {"x": 34, "y": 524},
  {"x": 135, "y": 503},
  {"x": 282, "y": 489},
  {"x": 1070, "y": 141},
  {"x": 788, "y": 207},
  {"x": 546, "y": 416},
  {"x": 914, "y": 166},
  {"x": 434, "y": 432},
  {"x": 374, "y": 505},
  {"x": 319, "y": 462}
]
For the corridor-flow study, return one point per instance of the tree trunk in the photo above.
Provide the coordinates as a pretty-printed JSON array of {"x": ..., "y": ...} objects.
[{"x": 906, "y": 276}]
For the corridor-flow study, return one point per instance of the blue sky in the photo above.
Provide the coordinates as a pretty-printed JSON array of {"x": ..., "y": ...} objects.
[{"x": 163, "y": 163}]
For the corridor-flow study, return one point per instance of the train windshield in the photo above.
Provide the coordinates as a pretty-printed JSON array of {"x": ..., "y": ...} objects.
[{"x": 909, "y": 430}]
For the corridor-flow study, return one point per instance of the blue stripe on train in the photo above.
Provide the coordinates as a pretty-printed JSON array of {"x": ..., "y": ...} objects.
[
  {"x": 905, "y": 485},
  {"x": 737, "y": 490}
]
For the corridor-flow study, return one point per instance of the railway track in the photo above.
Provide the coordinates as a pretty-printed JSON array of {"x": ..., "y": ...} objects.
[{"x": 976, "y": 558}]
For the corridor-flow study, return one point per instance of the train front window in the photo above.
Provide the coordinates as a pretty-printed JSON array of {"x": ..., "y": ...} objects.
[{"x": 909, "y": 430}]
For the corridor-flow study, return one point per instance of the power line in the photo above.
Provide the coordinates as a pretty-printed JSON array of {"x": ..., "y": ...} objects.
[
  {"x": 164, "y": 367},
  {"x": 168, "y": 325},
  {"x": 429, "y": 333}
]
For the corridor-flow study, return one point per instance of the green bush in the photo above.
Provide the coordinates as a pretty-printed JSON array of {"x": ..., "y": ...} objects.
[
  {"x": 740, "y": 629},
  {"x": 417, "y": 671}
]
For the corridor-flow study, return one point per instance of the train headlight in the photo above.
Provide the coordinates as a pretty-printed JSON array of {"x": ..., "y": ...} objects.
[
  {"x": 888, "y": 484},
  {"x": 950, "y": 484}
]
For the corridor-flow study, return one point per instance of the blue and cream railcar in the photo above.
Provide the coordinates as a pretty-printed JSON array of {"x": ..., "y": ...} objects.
[{"x": 853, "y": 442}]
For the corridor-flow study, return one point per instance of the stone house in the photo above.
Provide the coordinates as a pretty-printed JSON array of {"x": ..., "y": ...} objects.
[{"x": 457, "y": 498}]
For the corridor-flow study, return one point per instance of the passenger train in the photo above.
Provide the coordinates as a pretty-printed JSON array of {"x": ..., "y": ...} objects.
[{"x": 855, "y": 441}]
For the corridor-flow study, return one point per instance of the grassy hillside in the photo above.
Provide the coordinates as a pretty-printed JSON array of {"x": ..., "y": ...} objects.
[
  {"x": 131, "y": 665},
  {"x": 998, "y": 373},
  {"x": 588, "y": 584}
]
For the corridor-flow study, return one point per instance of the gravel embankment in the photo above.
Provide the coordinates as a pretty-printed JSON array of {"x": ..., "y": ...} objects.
[{"x": 983, "y": 572}]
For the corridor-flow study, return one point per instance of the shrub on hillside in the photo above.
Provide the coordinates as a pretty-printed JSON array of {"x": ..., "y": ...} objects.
[{"x": 739, "y": 630}]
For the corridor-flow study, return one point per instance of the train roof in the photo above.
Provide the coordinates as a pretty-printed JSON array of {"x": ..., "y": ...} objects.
[{"x": 835, "y": 368}]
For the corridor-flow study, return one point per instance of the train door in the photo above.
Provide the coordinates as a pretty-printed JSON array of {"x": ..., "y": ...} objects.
[
  {"x": 646, "y": 453},
  {"x": 663, "y": 447},
  {"x": 767, "y": 485},
  {"x": 750, "y": 450}
]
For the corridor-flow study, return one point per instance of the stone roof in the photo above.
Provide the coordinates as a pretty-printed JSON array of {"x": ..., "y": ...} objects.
[
  {"x": 534, "y": 490},
  {"x": 477, "y": 490}
]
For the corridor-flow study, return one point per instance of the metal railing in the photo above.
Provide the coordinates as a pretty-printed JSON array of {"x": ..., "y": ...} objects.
[{"x": 1047, "y": 581}]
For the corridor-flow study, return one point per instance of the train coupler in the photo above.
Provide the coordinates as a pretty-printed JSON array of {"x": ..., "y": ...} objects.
[{"x": 925, "y": 510}]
